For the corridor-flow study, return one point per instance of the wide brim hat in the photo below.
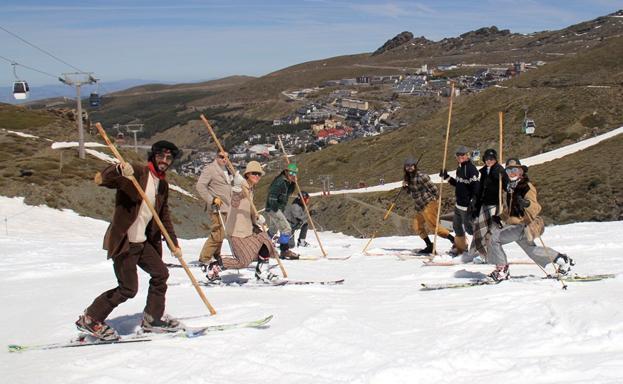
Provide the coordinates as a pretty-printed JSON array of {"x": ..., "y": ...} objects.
[
  {"x": 514, "y": 162},
  {"x": 254, "y": 166}
]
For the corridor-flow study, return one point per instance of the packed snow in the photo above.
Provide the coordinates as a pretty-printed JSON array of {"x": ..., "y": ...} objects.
[{"x": 378, "y": 327}]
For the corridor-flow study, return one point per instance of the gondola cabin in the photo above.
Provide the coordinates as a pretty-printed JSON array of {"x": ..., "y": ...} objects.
[
  {"x": 21, "y": 91},
  {"x": 528, "y": 127},
  {"x": 94, "y": 100},
  {"x": 476, "y": 155}
]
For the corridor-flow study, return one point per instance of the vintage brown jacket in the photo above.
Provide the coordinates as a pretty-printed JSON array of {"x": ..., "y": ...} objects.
[{"x": 127, "y": 205}]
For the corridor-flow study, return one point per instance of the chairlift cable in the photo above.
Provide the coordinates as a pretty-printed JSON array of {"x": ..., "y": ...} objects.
[
  {"x": 40, "y": 49},
  {"x": 13, "y": 62}
]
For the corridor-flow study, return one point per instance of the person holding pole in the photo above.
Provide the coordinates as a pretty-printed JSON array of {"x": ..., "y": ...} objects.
[
  {"x": 297, "y": 218},
  {"x": 214, "y": 187},
  {"x": 487, "y": 202},
  {"x": 279, "y": 193},
  {"x": 244, "y": 230},
  {"x": 520, "y": 223},
  {"x": 467, "y": 186},
  {"x": 425, "y": 195},
  {"x": 133, "y": 239}
]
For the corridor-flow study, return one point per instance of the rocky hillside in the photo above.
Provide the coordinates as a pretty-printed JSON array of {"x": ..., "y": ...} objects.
[{"x": 59, "y": 179}]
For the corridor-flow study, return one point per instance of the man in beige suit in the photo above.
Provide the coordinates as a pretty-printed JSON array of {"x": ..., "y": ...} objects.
[{"x": 214, "y": 186}]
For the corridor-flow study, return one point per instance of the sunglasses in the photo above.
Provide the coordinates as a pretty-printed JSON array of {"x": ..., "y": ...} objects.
[
  {"x": 460, "y": 154},
  {"x": 165, "y": 157},
  {"x": 513, "y": 170},
  {"x": 255, "y": 173},
  {"x": 222, "y": 157},
  {"x": 292, "y": 173}
]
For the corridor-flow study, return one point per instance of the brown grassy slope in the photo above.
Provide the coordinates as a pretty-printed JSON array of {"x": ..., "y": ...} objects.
[
  {"x": 72, "y": 186},
  {"x": 205, "y": 86},
  {"x": 584, "y": 186},
  {"x": 563, "y": 115},
  {"x": 598, "y": 66}
]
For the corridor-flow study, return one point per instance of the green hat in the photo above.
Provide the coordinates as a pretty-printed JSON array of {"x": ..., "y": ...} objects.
[{"x": 292, "y": 168}]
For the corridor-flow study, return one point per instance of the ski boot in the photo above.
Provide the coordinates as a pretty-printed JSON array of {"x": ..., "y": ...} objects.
[
  {"x": 563, "y": 263},
  {"x": 97, "y": 329},
  {"x": 166, "y": 324},
  {"x": 262, "y": 273}
]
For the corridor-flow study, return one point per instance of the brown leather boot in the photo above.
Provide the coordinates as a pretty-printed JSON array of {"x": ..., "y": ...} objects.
[{"x": 461, "y": 244}]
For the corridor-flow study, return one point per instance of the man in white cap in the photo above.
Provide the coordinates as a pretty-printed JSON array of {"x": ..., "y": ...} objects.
[{"x": 467, "y": 187}]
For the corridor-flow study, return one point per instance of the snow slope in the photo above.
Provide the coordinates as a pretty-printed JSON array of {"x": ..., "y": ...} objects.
[{"x": 377, "y": 327}]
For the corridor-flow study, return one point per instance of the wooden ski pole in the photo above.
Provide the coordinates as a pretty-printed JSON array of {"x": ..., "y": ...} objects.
[
  {"x": 501, "y": 157},
  {"x": 385, "y": 217},
  {"x": 298, "y": 190},
  {"x": 564, "y": 286},
  {"x": 445, "y": 154},
  {"x": 231, "y": 168},
  {"x": 156, "y": 218}
]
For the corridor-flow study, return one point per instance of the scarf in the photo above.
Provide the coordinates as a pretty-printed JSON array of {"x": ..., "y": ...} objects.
[{"x": 155, "y": 172}]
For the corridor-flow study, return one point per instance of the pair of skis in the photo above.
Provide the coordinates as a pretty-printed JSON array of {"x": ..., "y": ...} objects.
[
  {"x": 488, "y": 281},
  {"x": 85, "y": 340},
  {"x": 276, "y": 283}
]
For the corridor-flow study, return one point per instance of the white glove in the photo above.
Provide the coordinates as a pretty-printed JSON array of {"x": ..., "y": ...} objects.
[
  {"x": 238, "y": 179},
  {"x": 260, "y": 220},
  {"x": 127, "y": 170}
]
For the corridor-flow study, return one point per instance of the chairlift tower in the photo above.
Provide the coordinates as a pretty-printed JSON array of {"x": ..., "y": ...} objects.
[
  {"x": 134, "y": 129},
  {"x": 77, "y": 79}
]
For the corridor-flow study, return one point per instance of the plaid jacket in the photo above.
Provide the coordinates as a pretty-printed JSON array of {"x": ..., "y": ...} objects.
[{"x": 422, "y": 190}]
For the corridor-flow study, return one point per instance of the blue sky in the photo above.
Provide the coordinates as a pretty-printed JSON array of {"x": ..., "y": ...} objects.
[{"x": 193, "y": 40}]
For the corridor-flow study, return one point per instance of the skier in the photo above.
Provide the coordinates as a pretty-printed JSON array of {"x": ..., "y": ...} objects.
[
  {"x": 133, "y": 239},
  {"x": 248, "y": 240},
  {"x": 297, "y": 218},
  {"x": 467, "y": 186},
  {"x": 214, "y": 186},
  {"x": 516, "y": 224},
  {"x": 425, "y": 195},
  {"x": 279, "y": 192},
  {"x": 487, "y": 203}
]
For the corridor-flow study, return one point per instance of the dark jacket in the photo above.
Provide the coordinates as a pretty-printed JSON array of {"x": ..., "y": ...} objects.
[
  {"x": 295, "y": 214},
  {"x": 127, "y": 204},
  {"x": 279, "y": 192},
  {"x": 467, "y": 183},
  {"x": 490, "y": 185}
]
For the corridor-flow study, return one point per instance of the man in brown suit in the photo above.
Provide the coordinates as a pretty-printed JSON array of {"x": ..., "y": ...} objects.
[
  {"x": 134, "y": 239},
  {"x": 214, "y": 186}
]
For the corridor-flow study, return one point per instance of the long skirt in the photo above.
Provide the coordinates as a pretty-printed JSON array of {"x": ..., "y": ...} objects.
[{"x": 246, "y": 249}]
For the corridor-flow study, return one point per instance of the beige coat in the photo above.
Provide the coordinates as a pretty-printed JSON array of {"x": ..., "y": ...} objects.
[
  {"x": 213, "y": 183},
  {"x": 531, "y": 212},
  {"x": 240, "y": 221}
]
